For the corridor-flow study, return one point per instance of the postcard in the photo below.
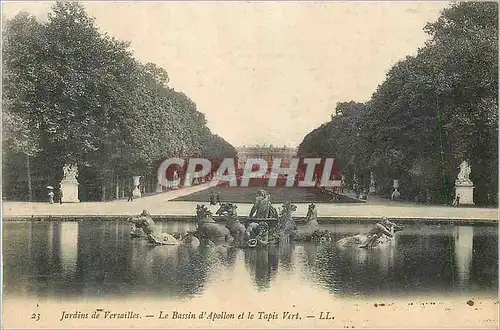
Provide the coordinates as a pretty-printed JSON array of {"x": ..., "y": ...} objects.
[{"x": 250, "y": 164}]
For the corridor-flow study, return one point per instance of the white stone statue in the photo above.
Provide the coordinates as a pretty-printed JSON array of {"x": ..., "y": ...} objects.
[
  {"x": 372, "y": 183},
  {"x": 70, "y": 173},
  {"x": 463, "y": 175},
  {"x": 69, "y": 184},
  {"x": 136, "y": 192},
  {"x": 136, "y": 180},
  {"x": 395, "y": 194},
  {"x": 464, "y": 187}
]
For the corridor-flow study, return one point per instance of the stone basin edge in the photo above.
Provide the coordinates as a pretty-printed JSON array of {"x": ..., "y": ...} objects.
[{"x": 321, "y": 219}]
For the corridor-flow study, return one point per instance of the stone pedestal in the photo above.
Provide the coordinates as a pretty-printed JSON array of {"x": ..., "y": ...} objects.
[
  {"x": 466, "y": 194},
  {"x": 69, "y": 191},
  {"x": 136, "y": 193}
]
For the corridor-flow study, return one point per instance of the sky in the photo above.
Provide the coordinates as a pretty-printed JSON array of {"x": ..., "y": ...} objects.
[{"x": 265, "y": 72}]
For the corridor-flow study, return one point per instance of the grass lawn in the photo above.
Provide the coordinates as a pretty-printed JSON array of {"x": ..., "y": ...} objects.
[{"x": 278, "y": 195}]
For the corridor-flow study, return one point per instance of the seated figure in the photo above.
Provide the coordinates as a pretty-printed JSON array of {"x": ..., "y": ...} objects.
[{"x": 384, "y": 227}]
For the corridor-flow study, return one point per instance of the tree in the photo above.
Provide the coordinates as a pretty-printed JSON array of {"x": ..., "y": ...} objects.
[
  {"x": 433, "y": 111},
  {"x": 99, "y": 109}
]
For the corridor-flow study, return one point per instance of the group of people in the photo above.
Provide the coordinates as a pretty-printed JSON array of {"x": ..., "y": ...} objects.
[{"x": 360, "y": 193}]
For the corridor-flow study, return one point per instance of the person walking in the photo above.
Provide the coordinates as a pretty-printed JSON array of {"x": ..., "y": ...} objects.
[
  {"x": 130, "y": 195},
  {"x": 218, "y": 198},
  {"x": 60, "y": 196},
  {"x": 51, "y": 196}
]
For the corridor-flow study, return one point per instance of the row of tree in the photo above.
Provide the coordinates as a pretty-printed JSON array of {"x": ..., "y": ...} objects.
[
  {"x": 73, "y": 95},
  {"x": 433, "y": 111}
]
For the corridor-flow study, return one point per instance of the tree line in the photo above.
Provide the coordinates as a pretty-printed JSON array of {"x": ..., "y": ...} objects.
[
  {"x": 433, "y": 111},
  {"x": 75, "y": 95}
]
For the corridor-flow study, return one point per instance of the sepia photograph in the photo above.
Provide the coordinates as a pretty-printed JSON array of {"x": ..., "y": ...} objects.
[{"x": 250, "y": 164}]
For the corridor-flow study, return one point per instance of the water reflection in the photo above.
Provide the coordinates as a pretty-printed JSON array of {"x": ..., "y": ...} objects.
[
  {"x": 66, "y": 233},
  {"x": 464, "y": 239},
  {"x": 262, "y": 264},
  {"x": 99, "y": 259}
]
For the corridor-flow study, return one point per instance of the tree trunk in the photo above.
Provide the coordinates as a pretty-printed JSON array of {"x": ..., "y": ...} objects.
[
  {"x": 103, "y": 192},
  {"x": 117, "y": 188},
  {"x": 30, "y": 189}
]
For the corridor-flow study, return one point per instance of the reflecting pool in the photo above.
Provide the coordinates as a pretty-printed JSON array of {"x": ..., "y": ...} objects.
[{"x": 98, "y": 258}]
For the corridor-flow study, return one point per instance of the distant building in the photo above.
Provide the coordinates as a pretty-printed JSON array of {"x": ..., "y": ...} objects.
[{"x": 268, "y": 153}]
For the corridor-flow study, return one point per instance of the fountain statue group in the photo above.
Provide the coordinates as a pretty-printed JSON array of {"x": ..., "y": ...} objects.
[{"x": 256, "y": 230}]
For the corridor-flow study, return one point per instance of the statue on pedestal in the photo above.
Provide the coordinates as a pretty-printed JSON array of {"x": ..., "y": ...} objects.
[
  {"x": 355, "y": 186},
  {"x": 372, "y": 183},
  {"x": 69, "y": 184},
  {"x": 464, "y": 187},
  {"x": 136, "y": 192},
  {"x": 395, "y": 194}
]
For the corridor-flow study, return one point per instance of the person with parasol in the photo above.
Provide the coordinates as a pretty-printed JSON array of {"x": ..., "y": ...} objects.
[{"x": 51, "y": 194}]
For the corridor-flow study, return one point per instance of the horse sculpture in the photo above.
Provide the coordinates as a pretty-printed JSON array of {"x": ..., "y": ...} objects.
[
  {"x": 311, "y": 231},
  {"x": 207, "y": 228},
  {"x": 236, "y": 228},
  {"x": 286, "y": 229},
  {"x": 145, "y": 222}
]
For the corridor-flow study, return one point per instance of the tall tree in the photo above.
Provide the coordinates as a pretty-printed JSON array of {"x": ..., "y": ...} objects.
[
  {"x": 73, "y": 95},
  {"x": 433, "y": 111}
]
